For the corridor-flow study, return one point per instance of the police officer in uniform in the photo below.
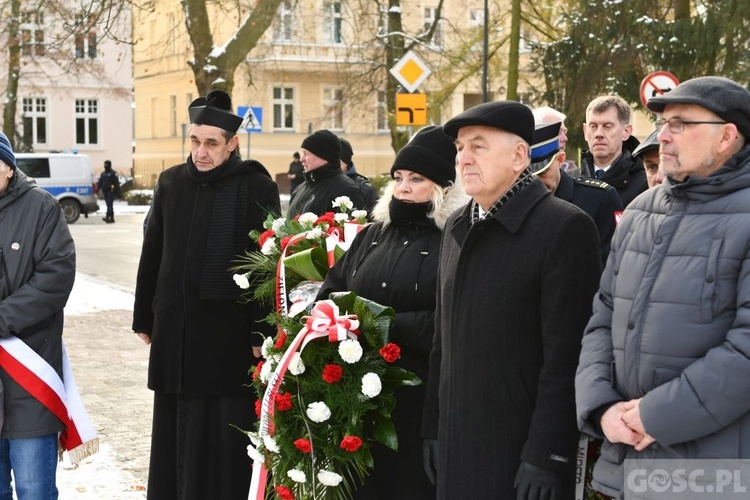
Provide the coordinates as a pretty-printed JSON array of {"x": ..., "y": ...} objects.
[{"x": 597, "y": 198}]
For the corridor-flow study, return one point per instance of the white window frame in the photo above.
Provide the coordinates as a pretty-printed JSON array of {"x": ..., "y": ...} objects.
[
  {"x": 283, "y": 106},
  {"x": 87, "y": 115},
  {"x": 35, "y": 109},
  {"x": 333, "y": 21},
  {"x": 32, "y": 34},
  {"x": 283, "y": 27},
  {"x": 381, "y": 124},
  {"x": 437, "y": 39},
  {"x": 333, "y": 105}
]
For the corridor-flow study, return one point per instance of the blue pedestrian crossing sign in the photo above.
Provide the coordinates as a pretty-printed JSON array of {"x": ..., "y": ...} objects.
[{"x": 252, "y": 118}]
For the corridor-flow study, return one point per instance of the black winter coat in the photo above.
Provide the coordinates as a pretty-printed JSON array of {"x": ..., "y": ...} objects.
[
  {"x": 198, "y": 346},
  {"x": 321, "y": 187},
  {"x": 511, "y": 311},
  {"x": 626, "y": 174}
]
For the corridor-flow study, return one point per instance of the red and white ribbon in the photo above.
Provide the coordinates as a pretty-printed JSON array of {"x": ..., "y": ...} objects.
[
  {"x": 324, "y": 321},
  {"x": 38, "y": 378}
]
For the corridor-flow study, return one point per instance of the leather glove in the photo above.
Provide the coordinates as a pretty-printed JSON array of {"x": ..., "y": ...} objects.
[
  {"x": 536, "y": 483},
  {"x": 429, "y": 457}
]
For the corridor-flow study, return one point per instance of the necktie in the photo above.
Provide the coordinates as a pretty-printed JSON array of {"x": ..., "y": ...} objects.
[{"x": 599, "y": 173}]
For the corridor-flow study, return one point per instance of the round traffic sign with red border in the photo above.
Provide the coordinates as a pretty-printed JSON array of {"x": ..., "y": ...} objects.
[{"x": 657, "y": 83}]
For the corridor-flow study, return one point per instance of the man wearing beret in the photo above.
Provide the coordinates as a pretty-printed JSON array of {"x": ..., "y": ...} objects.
[
  {"x": 324, "y": 180},
  {"x": 203, "y": 338},
  {"x": 37, "y": 270},
  {"x": 516, "y": 268},
  {"x": 665, "y": 364},
  {"x": 597, "y": 198}
]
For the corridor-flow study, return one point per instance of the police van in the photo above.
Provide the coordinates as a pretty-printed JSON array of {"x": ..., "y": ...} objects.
[{"x": 67, "y": 177}]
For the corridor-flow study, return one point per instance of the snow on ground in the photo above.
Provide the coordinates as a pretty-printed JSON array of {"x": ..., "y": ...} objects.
[{"x": 91, "y": 295}]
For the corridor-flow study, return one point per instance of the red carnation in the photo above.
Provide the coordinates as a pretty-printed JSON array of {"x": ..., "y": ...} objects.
[
  {"x": 258, "y": 406},
  {"x": 258, "y": 368},
  {"x": 268, "y": 233},
  {"x": 284, "y": 493},
  {"x": 326, "y": 218},
  {"x": 390, "y": 352},
  {"x": 303, "y": 445},
  {"x": 351, "y": 443},
  {"x": 285, "y": 241},
  {"x": 280, "y": 341},
  {"x": 332, "y": 373},
  {"x": 335, "y": 231},
  {"x": 283, "y": 402}
]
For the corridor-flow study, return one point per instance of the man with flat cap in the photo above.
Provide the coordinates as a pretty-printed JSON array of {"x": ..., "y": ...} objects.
[
  {"x": 665, "y": 364},
  {"x": 516, "y": 265},
  {"x": 597, "y": 198},
  {"x": 203, "y": 338},
  {"x": 324, "y": 180}
]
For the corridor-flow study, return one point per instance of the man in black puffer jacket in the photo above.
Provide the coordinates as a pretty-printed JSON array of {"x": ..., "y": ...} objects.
[
  {"x": 324, "y": 180},
  {"x": 607, "y": 131}
]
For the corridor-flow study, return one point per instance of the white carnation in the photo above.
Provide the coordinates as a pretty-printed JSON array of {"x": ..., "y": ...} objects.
[
  {"x": 254, "y": 454},
  {"x": 318, "y": 412},
  {"x": 359, "y": 214},
  {"x": 297, "y": 475},
  {"x": 241, "y": 281},
  {"x": 266, "y": 371},
  {"x": 371, "y": 385},
  {"x": 341, "y": 218},
  {"x": 270, "y": 444},
  {"x": 315, "y": 233},
  {"x": 268, "y": 246},
  {"x": 329, "y": 478},
  {"x": 278, "y": 224},
  {"x": 296, "y": 365},
  {"x": 343, "y": 203},
  {"x": 307, "y": 219},
  {"x": 267, "y": 343},
  {"x": 350, "y": 351}
]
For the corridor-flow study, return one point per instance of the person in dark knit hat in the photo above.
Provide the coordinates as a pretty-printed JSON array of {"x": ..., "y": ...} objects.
[
  {"x": 518, "y": 268},
  {"x": 37, "y": 271},
  {"x": 347, "y": 166},
  {"x": 394, "y": 262},
  {"x": 324, "y": 180},
  {"x": 665, "y": 361},
  {"x": 187, "y": 307}
]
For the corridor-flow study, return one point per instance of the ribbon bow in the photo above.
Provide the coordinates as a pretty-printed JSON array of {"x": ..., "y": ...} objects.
[{"x": 325, "y": 320}]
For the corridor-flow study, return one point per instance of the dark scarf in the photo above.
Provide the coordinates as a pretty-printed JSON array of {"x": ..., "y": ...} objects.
[
  {"x": 523, "y": 181},
  {"x": 227, "y": 236},
  {"x": 323, "y": 172},
  {"x": 410, "y": 214}
]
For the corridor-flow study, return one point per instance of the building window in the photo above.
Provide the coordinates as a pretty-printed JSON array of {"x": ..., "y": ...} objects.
[
  {"x": 429, "y": 19},
  {"x": 333, "y": 102},
  {"x": 283, "y": 28},
  {"x": 34, "y": 114},
  {"x": 32, "y": 34},
  {"x": 87, "y": 121},
  {"x": 86, "y": 45},
  {"x": 283, "y": 108},
  {"x": 333, "y": 22},
  {"x": 382, "y": 113}
]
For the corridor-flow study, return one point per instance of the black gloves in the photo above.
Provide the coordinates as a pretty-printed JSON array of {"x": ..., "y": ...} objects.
[
  {"x": 535, "y": 483},
  {"x": 429, "y": 457}
]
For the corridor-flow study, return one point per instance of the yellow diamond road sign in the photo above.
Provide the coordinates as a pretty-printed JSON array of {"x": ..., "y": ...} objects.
[{"x": 410, "y": 71}]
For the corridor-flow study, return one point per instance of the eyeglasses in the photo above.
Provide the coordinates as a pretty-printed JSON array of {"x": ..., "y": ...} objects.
[{"x": 677, "y": 125}]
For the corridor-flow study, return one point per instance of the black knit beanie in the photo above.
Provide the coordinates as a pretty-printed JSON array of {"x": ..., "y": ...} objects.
[
  {"x": 323, "y": 144},
  {"x": 346, "y": 152},
  {"x": 430, "y": 153}
]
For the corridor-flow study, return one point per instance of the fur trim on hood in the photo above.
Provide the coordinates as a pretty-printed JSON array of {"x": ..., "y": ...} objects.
[{"x": 454, "y": 198}]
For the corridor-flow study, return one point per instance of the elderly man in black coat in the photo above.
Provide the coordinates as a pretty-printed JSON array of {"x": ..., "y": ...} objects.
[
  {"x": 188, "y": 308},
  {"x": 516, "y": 266}
]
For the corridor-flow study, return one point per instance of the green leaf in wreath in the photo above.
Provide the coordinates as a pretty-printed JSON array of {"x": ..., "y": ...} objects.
[
  {"x": 398, "y": 376},
  {"x": 312, "y": 264},
  {"x": 385, "y": 432}
]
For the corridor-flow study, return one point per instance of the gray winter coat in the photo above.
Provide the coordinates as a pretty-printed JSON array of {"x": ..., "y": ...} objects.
[
  {"x": 671, "y": 323},
  {"x": 37, "y": 270}
]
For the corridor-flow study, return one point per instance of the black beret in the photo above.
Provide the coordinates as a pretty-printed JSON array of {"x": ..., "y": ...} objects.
[
  {"x": 510, "y": 116},
  {"x": 546, "y": 145},
  {"x": 346, "y": 152},
  {"x": 216, "y": 110},
  {"x": 725, "y": 97},
  {"x": 650, "y": 143},
  {"x": 323, "y": 144},
  {"x": 430, "y": 153}
]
